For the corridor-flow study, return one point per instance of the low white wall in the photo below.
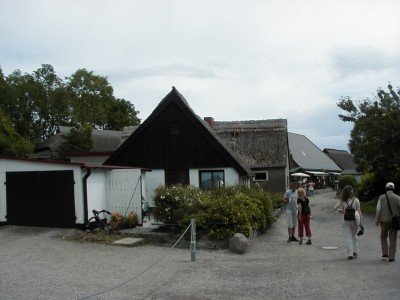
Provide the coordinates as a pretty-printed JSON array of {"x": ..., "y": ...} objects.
[
  {"x": 10, "y": 165},
  {"x": 96, "y": 191},
  {"x": 154, "y": 179}
]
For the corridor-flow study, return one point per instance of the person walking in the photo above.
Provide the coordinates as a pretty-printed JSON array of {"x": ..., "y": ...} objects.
[
  {"x": 349, "y": 206},
  {"x": 388, "y": 205},
  {"x": 304, "y": 216},
  {"x": 290, "y": 198},
  {"x": 311, "y": 188}
]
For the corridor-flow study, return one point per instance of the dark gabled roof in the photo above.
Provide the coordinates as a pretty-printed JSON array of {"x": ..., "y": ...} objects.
[
  {"x": 104, "y": 140},
  {"x": 308, "y": 156},
  {"x": 177, "y": 98},
  {"x": 260, "y": 143},
  {"x": 342, "y": 158}
]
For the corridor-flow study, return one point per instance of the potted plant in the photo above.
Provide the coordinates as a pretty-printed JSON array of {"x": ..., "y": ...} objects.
[
  {"x": 116, "y": 220},
  {"x": 130, "y": 221}
]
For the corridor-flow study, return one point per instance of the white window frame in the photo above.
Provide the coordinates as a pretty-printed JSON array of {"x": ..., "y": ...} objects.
[{"x": 261, "y": 172}]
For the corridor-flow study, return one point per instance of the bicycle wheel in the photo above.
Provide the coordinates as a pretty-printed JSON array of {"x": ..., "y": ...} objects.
[{"x": 92, "y": 224}]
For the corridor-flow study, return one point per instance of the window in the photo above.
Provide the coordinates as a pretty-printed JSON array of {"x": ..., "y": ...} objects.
[
  {"x": 211, "y": 179},
  {"x": 173, "y": 177},
  {"x": 261, "y": 176}
]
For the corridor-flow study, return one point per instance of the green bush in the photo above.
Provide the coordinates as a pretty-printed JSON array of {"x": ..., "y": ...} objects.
[
  {"x": 219, "y": 213},
  {"x": 347, "y": 180}
]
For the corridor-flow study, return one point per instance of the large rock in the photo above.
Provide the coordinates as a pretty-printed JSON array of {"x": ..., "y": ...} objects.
[{"x": 238, "y": 243}]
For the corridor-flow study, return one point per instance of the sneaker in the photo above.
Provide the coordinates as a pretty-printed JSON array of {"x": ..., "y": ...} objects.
[
  {"x": 391, "y": 259},
  {"x": 350, "y": 258},
  {"x": 309, "y": 242},
  {"x": 355, "y": 255},
  {"x": 385, "y": 256},
  {"x": 300, "y": 242},
  {"x": 294, "y": 239},
  {"x": 289, "y": 240}
]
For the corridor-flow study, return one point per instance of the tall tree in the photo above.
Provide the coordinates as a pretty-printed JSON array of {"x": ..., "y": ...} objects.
[
  {"x": 94, "y": 103},
  {"x": 375, "y": 137},
  {"x": 39, "y": 102},
  {"x": 11, "y": 143}
]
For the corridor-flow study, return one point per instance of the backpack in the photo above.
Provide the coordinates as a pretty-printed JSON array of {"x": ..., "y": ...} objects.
[
  {"x": 349, "y": 212},
  {"x": 305, "y": 208}
]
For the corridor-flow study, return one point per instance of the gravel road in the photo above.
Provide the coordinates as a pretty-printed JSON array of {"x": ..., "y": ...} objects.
[{"x": 37, "y": 263}]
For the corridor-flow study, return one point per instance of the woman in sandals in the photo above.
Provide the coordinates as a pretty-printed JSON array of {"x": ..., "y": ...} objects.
[
  {"x": 303, "y": 216},
  {"x": 351, "y": 219}
]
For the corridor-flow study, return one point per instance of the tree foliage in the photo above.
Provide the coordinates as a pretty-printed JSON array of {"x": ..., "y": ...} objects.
[
  {"x": 11, "y": 143},
  {"x": 375, "y": 137},
  {"x": 39, "y": 102},
  {"x": 79, "y": 139}
]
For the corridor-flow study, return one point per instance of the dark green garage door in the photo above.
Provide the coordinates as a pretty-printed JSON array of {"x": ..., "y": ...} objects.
[{"x": 44, "y": 198}]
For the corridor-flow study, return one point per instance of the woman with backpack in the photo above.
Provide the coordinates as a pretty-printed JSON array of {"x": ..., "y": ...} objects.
[
  {"x": 349, "y": 206},
  {"x": 303, "y": 216}
]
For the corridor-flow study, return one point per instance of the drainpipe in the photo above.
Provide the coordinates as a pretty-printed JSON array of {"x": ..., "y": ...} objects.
[{"x": 85, "y": 197}]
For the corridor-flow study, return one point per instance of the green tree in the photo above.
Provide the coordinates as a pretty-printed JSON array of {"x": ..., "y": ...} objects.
[
  {"x": 11, "y": 143},
  {"x": 36, "y": 103},
  {"x": 375, "y": 137},
  {"x": 93, "y": 103},
  {"x": 39, "y": 102},
  {"x": 79, "y": 139}
]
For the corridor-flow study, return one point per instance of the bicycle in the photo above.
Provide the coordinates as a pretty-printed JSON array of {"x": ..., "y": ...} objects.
[{"x": 100, "y": 223}]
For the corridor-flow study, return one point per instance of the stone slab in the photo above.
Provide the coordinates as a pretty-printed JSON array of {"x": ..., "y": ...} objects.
[{"x": 129, "y": 242}]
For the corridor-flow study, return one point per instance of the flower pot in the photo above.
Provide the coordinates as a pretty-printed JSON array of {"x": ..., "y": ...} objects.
[{"x": 115, "y": 225}]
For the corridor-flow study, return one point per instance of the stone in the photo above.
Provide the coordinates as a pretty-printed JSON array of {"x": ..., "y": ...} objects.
[{"x": 238, "y": 243}]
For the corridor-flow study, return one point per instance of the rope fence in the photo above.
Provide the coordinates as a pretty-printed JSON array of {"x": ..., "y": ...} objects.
[{"x": 192, "y": 225}]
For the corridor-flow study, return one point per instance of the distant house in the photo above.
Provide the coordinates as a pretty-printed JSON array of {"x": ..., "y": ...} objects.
[
  {"x": 105, "y": 142},
  {"x": 307, "y": 157},
  {"x": 180, "y": 147},
  {"x": 345, "y": 161}
]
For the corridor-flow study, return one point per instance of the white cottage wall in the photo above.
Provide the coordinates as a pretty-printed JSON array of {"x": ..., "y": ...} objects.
[
  {"x": 154, "y": 179},
  {"x": 10, "y": 165}
]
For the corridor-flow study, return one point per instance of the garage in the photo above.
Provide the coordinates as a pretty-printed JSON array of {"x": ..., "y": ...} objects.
[{"x": 41, "y": 198}]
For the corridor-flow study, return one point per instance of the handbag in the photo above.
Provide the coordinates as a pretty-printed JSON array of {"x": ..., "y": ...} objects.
[{"x": 395, "y": 224}]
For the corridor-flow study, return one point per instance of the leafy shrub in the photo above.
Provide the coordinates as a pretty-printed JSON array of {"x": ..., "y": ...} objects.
[
  {"x": 219, "y": 213},
  {"x": 347, "y": 180},
  {"x": 173, "y": 203}
]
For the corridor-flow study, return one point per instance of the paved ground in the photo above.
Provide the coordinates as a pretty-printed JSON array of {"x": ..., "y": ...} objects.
[{"x": 39, "y": 264}]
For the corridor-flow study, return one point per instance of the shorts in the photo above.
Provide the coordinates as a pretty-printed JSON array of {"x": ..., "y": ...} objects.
[{"x": 291, "y": 218}]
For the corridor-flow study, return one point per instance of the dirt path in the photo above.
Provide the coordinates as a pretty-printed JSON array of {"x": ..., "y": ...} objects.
[{"x": 38, "y": 264}]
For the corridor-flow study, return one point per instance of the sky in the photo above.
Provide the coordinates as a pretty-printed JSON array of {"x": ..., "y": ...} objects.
[{"x": 231, "y": 60}]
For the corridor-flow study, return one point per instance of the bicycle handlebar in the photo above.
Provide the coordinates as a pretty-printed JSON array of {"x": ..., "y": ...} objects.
[{"x": 96, "y": 212}]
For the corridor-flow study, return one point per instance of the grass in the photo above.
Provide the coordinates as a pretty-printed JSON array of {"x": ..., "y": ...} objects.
[
  {"x": 97, "y": 237},
  {"x": 368, "y": 207}
]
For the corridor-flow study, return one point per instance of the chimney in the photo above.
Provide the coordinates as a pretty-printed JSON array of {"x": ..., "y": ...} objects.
[{"x": 209, "y": 120}]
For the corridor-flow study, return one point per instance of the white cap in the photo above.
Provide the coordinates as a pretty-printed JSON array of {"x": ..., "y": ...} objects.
[{"x": 390, "y": 185}]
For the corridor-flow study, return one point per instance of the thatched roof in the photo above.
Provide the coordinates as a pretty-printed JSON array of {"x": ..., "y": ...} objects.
[{"x": 259, "y": 143}]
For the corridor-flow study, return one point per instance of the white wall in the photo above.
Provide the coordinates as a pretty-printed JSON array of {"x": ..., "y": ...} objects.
[
  {"x": 96, "y": 191},
  {"x": 154, "y": 179},
  {"x": 10, "y": 165},
  {"x": 124, "y": 191},
  {"x": 231, "y": 176}
]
